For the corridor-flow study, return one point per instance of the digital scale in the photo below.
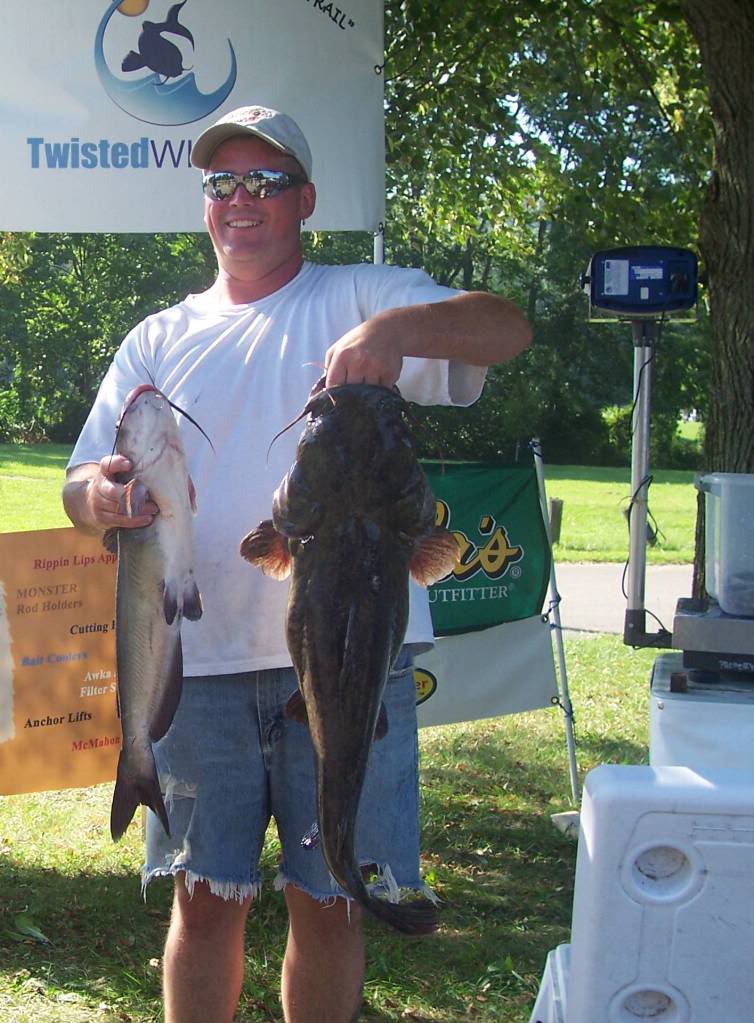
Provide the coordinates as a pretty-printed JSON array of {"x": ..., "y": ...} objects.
[
  {"x": 714, "y": 668},
  {"x": 665, "y": 851}
]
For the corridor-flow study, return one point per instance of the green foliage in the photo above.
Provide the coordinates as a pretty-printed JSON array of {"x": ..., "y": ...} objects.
[
  {"x": 11, "y": 427},
  {"x": 66, "y": 312},
  {"x": 521, "y": 137}
]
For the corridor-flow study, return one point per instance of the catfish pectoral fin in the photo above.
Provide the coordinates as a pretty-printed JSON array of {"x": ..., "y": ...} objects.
[
  {"x": 268, "y": 550},
  {"x": 192, "y": 602},
  {"x": 295, "y": 709},
  {"x": 130, "y": 791},
  {"x": 434, "y": 557},
  {"x": 134, "y": 498}
]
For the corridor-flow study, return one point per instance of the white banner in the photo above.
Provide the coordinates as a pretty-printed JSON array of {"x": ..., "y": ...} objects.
[
  {"x": 503, "y": 670},
  {"x": 102, "y": 98}
]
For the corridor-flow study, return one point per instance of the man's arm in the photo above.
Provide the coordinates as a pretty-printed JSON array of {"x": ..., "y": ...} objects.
[
  {"x": 477, "y": 328},
  {"x": 91, "y": 497}
]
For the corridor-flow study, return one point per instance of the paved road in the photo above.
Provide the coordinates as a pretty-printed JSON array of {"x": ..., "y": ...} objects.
[{"x": 592, "y": 599}]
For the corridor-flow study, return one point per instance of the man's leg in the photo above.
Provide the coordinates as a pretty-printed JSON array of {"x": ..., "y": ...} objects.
[
  {"x": 203, "y": 964},
  {"x": 323, "y": 970}
]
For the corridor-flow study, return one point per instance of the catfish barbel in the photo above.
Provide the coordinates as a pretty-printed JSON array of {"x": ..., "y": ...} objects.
[
  {"x": 352, "y": 518},
  {"x": 155, "y": 590}
]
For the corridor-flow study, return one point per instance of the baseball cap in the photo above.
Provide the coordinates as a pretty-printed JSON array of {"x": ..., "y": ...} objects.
[{"x": 279, "y": 130}]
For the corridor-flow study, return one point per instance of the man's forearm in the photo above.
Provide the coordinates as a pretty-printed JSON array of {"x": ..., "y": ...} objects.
[
  {"x": 93, "y": 499},
  {"x": 477, "y": 328}
]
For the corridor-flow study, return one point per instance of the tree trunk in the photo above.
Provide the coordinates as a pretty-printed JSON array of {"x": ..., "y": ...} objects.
[{"x": 724, "y": 31}]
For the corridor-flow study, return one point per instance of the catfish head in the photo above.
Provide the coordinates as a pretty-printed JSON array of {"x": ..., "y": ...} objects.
[
  {"x": 146, "y": 426},
  {"x": 356, "y": 461}
]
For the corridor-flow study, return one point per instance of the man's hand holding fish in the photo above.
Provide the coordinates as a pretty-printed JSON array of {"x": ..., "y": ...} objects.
[{"x": 97, "y": 501}]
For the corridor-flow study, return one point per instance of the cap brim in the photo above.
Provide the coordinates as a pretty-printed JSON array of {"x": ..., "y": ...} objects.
[{"x": 204, "y": 147}]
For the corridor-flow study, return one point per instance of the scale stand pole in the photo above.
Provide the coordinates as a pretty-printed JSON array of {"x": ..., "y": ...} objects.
[
  {"x": 643, "y": 334},
  {"x": 634, "y": 630}
]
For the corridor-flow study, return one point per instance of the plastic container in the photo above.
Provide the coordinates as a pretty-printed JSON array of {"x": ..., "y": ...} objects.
[
  {"x": 729, "y": 540},
  {"x": 550, "y": 1006},
  {"x": 663, "y": 928}
]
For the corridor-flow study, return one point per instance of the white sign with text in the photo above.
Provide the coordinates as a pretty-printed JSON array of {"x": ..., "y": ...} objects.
[{"x": 102, "y": 99}]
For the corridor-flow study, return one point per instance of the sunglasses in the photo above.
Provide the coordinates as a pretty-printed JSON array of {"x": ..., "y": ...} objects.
[{"x": 261, "y": 184}]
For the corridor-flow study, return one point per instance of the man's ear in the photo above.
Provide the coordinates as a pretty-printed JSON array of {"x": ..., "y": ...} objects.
[{"x": 308, "y": 200}]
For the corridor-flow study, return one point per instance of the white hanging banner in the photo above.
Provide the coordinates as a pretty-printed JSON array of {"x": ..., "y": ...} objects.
[
  {"x": 102, "y": 99},
  {"x": 503, "y": 670}
]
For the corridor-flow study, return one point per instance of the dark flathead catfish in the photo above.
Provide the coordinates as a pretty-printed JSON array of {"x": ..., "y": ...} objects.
[
  {"x": 155, "y": 590},
  {"x": 352, "y": 518}
]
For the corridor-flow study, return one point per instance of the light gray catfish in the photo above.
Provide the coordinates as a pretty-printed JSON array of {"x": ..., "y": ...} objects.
[{"x": 155, "y": 590}]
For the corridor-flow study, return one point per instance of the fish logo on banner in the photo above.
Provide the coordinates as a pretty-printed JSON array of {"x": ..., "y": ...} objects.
[{"x": 157, "y": 83}]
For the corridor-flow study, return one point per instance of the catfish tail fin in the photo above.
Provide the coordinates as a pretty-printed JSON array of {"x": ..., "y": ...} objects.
[
  {"x": 414, "y": 918},
  {"x": 130, "y": 792}
]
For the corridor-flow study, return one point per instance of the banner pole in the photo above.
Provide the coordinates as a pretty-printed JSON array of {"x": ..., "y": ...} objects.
[
  {"x": 565, "y": 699},
  {"x": 379, "y": 245}
]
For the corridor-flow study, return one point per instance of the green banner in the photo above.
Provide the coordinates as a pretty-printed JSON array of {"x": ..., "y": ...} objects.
[{"x": 504, "y": 566}]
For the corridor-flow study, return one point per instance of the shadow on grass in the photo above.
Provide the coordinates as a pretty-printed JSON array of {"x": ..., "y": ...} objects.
[
  {"x": 600, "y": 749},
  {"x": 505, "y": 880},
  {"x": 101, "y": 936},
  {"x": 504, "y": 906},
  {"x": 105, "y": 944},
  {"x": 503, "y": 873}
]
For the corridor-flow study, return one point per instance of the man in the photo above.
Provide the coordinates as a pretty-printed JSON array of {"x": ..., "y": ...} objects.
[{"x": 241, "y": 357}]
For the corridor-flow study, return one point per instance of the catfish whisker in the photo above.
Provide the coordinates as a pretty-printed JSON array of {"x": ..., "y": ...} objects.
[{"x": 191, "y": 419}]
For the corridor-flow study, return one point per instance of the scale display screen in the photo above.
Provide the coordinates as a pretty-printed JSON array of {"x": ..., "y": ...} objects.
[{"x": 643, "y": 280}]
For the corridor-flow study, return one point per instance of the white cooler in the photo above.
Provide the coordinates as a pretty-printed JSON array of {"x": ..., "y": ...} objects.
[{"x": 663, "y": 910}]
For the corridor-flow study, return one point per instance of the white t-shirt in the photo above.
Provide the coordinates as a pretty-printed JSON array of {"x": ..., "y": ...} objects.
[{"x": 244, "y": 372}]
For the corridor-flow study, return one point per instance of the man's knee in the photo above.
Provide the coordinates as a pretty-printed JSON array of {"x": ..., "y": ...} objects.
[
  {"x": 200, "y": 910},
  {"x": 337, "y": 920}
]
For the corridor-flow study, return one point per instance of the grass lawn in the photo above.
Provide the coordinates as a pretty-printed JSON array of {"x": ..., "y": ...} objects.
[
  {"x": 594, "y": 526},
  {"x": 31, "y": 476},
  {"x": 594, "y": 499},
  {"x": 77, "y": 943},
  {"x": 504, "y": 873}
]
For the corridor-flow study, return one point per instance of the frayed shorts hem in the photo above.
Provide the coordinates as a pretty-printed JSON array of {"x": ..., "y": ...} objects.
[
  {"x": 226, "y": 890},
  {"x": 383, "y": 886}
]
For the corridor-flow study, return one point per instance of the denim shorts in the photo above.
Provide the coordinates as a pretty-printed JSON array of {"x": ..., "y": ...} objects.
[{"x": 232, "y": 761}]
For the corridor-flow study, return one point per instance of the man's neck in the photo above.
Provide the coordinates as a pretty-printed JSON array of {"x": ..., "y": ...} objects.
[{"x": 230, "y": 290}]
